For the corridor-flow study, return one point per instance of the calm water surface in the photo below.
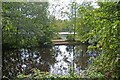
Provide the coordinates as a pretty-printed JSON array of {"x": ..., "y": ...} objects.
[{"x": 55, "y": 60}]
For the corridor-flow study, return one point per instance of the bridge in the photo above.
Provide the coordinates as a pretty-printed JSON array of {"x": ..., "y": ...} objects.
[
  {"x": 65, "y": 42},
  {"x": 64, "y": 35}
]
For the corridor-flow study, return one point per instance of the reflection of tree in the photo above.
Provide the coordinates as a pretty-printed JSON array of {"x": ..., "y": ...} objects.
[
  {"x": 78, "y": 52},
  {"x": 11, "y": 63},
  {"x": 18, "y": 61},
  {"x": 81, "y": 58}
]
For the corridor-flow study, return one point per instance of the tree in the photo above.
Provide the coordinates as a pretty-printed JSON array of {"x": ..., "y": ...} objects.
[
  {"x": 25, "y": 24},
  {"x": 101, "y": 26}
]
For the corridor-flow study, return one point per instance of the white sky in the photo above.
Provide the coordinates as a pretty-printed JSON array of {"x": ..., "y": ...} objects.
[{"x": 56, "y": 6}]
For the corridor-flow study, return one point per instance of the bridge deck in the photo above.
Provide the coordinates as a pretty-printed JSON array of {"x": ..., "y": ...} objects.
[{"x": 64, "y": 42}]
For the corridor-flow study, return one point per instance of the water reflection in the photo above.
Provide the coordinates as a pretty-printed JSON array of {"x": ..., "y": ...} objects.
[
  {"x": 56, "y": 60},
  {"x": 64, "y": 59}
]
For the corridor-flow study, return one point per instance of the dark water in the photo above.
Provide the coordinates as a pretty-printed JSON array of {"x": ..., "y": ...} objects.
[{"x": 55, "y": 60}]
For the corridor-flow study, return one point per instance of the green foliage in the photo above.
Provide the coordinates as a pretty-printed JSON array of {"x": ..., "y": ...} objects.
[
  {"x": 101, "y": 27},
  {"x": 37, "y": 74},
  {"x": 70, "y": 37},
  {"x": 25, "y": 24}
]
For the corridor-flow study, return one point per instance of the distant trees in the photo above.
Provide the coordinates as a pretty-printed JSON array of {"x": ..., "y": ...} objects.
[
  {"x": 25, "y": 24},
  {"x": 28, "y": 24}
]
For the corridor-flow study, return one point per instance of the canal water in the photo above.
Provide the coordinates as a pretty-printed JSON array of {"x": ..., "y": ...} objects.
[{"x": 55, "y": 60}]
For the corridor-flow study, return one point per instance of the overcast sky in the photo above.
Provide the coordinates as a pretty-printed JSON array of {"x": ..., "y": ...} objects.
[{"x": 55, "y": 6}]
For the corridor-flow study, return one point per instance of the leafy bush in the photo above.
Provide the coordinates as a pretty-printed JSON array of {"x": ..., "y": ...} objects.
[{"x": 37, "y": 74}]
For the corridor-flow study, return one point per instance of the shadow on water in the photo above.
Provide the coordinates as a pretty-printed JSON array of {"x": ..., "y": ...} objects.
[{"x": 56, "y": 60}]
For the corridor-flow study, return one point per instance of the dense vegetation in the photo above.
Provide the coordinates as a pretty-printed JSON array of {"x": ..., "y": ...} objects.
[
  {"x": 25, "y": 24},
  {"x": 101, "y": 27},
  {"x": 28, "y": 24}
]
